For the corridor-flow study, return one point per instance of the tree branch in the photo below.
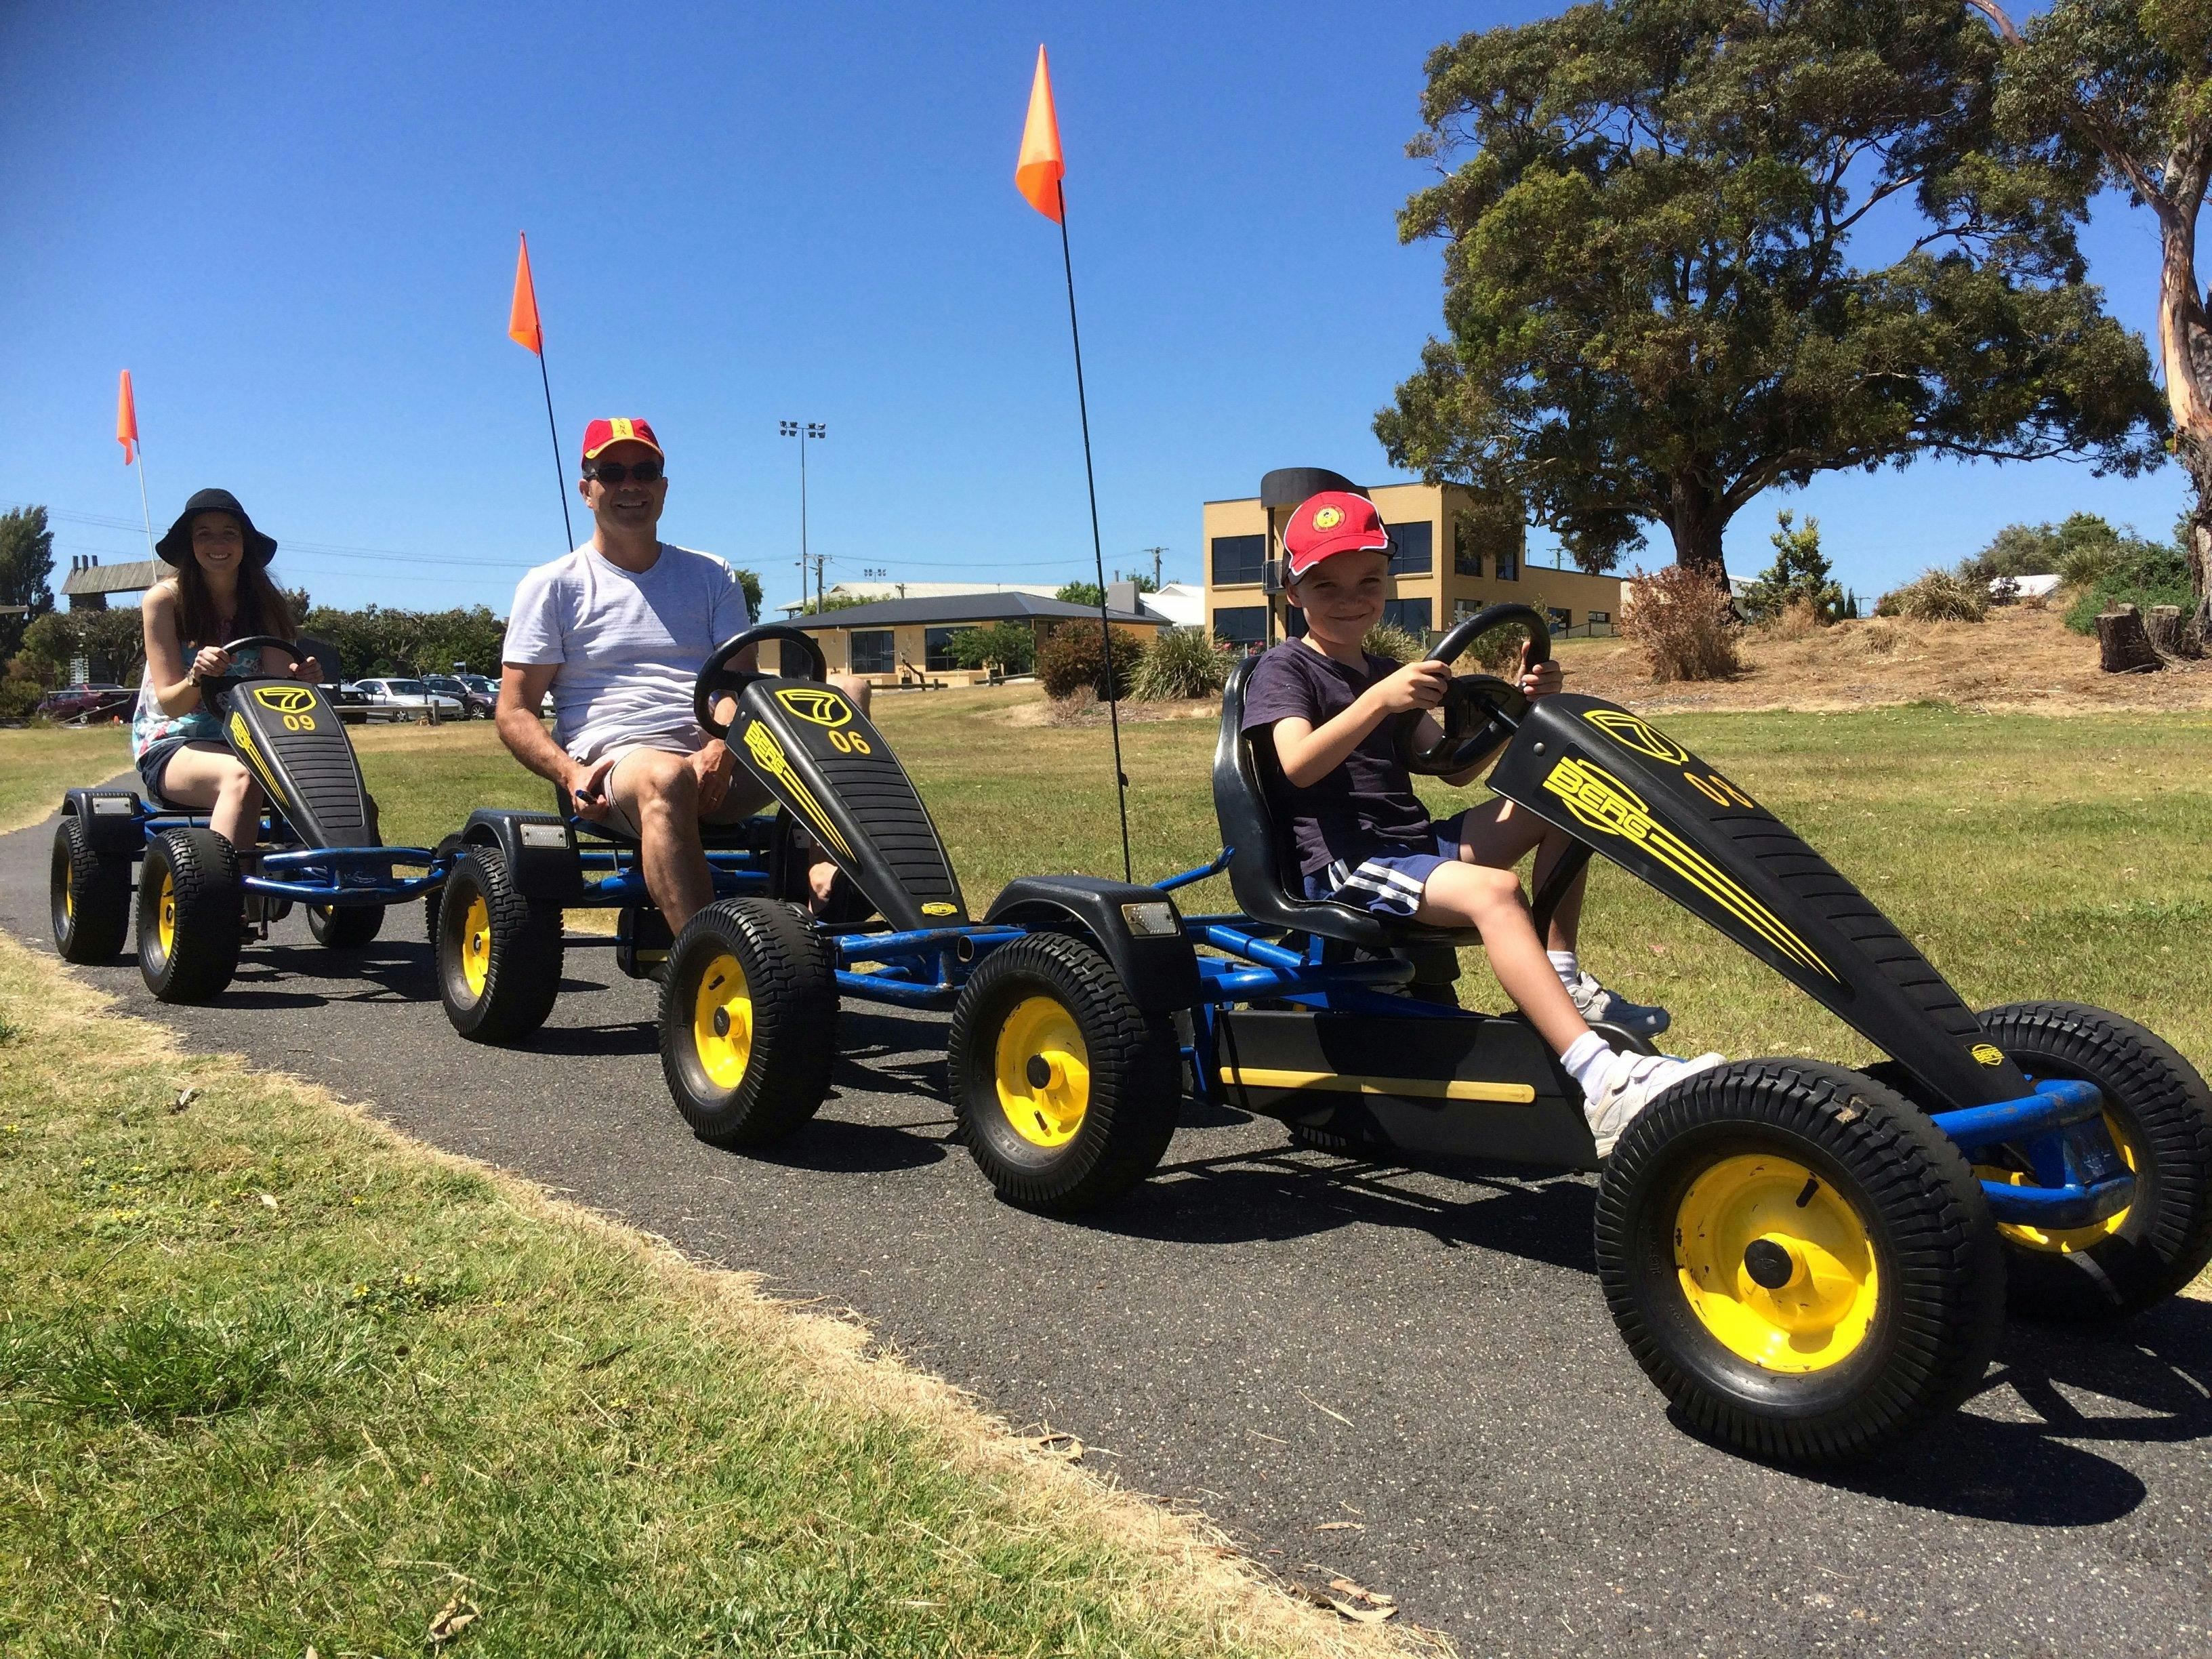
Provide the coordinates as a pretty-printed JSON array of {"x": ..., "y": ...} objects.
[{"x": 1994, "y": 13}]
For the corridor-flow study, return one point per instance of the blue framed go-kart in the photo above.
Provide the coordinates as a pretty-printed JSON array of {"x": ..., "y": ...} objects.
[
  {"x": 1810, "y": 1261},
  {"x": 195, "y": 905}
]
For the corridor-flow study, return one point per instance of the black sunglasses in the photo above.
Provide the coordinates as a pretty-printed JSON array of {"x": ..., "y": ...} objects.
[{"x": 614, "y": 472}]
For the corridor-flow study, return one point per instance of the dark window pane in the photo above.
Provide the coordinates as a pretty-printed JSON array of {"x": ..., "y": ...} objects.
[
  {"x": 1238, "y": 559},
  {"x": 934, "y": 641},
  {"x": 1240, "y": 624},
  {"x": 1508, "y": 563},
  {"x": 1466, "y": 550},
  {"x": 873, "y": 651},
  {"x": 1412, "y": 548},
  {"x": 1412, "y": 615}
]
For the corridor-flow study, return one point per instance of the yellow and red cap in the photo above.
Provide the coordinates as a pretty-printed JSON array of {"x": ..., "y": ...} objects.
[
  {"x": 1332, "y": 522},
  {"x": 601, "y": 435}
]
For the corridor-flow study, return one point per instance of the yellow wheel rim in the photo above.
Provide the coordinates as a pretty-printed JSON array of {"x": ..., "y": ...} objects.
[
  {"x": 722, "y": 1021},
  {"x": 476, "y": 945},
  {"x": 1776, "y": 1263},
  {"x": 1044, "y": 1073},
  {"x": 166, "y": 926},
  {"x": 69, "y": 894},
  {"x": 2061, "y": 1241}
]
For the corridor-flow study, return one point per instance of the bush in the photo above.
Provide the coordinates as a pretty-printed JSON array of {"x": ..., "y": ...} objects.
[
  {"x": 1074, "y": 656},
  {"x": 1683, "y": 623},
  {"x": 1010, "y": 644},
  {"x": 2143, "y": 574},
  {"x": 1938, "y": 596},
  {"x": 1181, "y": 662},
  {"x": 2087, "y": 566},
  {"x": 18, "y": 698},
  {"x": 1388, "y": 640}
]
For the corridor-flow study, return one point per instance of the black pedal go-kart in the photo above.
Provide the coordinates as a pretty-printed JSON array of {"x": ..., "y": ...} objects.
[
  {"x": 1810, "y": 1261},
  {"x": 196, "y": 902}
]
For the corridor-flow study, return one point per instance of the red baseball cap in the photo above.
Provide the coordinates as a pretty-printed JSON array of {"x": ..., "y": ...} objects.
[
  {"x": 601, "y": 434},
  {"x": 1334, "y": 521}
]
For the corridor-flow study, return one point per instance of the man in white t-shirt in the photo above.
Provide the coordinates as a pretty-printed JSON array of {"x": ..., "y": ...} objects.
[{"x": 617, "y": 632}]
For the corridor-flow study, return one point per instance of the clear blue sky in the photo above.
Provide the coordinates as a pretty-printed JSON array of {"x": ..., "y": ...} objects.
[{"x": 296, "y": 225}]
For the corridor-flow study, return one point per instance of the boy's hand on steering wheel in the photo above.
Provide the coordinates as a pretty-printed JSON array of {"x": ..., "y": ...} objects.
[
  {"x": 1417, "y": 686},
  {"x": 1543, "y": 679}
]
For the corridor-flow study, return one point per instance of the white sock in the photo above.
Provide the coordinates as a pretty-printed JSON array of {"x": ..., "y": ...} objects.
[
  {"x": 1587, "y": 1060},
  {"x": 1567, "y": 965}
]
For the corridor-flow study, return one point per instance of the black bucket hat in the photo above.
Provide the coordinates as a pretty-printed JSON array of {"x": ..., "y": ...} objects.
[{"x": 176, "y": 545}]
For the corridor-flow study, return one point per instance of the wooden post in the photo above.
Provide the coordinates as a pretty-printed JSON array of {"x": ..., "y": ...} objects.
[{"x": 2124, "y": 645}]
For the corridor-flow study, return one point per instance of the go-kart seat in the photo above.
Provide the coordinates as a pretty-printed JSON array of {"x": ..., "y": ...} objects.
[{"x": 1261, "y": 872}]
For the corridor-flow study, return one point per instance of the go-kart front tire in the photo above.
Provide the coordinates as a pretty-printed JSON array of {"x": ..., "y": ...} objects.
[
  {"x": 500, "y": 955},
  {"x": 2160, "y": 1114},
  {"x": 347, "y": 928},
  {"x": 1066, "y": 1092},
  {"x": 89, "y": 894},
  {"x": 192, "y": 905},
  {"x": 748, "y": 1021},
  {"x": 1799, "y": 1260}
]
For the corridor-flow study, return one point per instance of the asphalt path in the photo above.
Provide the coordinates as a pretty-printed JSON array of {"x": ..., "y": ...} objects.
[{"x": 1407, "y": 1379}]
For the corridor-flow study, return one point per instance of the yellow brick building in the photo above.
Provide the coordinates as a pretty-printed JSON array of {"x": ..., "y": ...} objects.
[{"x": 1456, "y": 552}]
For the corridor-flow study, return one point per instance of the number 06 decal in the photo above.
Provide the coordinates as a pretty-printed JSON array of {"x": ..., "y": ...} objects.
[{"x": 848, "y": 743}]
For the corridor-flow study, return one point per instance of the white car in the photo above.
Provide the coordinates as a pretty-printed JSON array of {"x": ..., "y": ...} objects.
[{"x": 407, "y": 699}]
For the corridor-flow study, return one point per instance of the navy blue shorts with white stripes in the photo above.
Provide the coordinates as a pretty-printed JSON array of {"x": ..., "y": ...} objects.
[{"x": 1389, "y": 884}]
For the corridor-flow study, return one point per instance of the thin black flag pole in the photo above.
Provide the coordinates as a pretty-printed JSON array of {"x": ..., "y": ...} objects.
[
  {"x": 560, "y": 472},
  {"x": 1097, "y": 552}
]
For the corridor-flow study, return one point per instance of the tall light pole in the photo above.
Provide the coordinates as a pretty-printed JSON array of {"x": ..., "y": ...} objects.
[{"x": 803, "y": 431}]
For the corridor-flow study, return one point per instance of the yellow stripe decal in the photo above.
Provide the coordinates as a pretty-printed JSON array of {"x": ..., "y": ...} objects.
[
  {"x": 769, "y": 754},
  {"x": 1600, "y": 802},
  {"x": 1419, "y": 1087},
  {"x": 242, "y": 735}
]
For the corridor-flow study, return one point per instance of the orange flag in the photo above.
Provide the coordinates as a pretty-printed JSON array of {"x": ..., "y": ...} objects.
[
  {"x": 522, "y": 320},
  {"x": 1038, "y": 173},
  {"x": 126, "y": 419}
]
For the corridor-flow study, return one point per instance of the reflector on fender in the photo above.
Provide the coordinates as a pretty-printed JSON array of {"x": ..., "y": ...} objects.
[{"x": 1152, "y": 919}]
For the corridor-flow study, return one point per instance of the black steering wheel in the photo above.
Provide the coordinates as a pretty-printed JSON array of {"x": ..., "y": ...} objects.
[
  {"x": 1479, "y": 711},
  {"x": 717, "y": 676},
  {"x": 218, "y": 688}
]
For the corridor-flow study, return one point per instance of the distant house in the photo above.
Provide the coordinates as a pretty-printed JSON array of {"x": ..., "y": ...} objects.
[
  {"x": 903, "y": 642},
  {"x": 1179, "y": 605},
  {"x": 875, "y": 591},
  {"x": 89, "y": 583},
  {"x": 2022, "y": 587}
]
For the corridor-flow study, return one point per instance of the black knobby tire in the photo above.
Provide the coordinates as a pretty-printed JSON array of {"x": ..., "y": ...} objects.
[
  {"x": 1087, "y": 1142},
  {"x": 2163, "y": 1112},
  {"x": 196, "y": 871},
  {"x": 500, "y": 955},
  {"x": 89, "y": 895},
  {"x": 1913, "y": 1345},
  {"x": 345, "y": 929},
  {"x": 748, "y": 1021}
]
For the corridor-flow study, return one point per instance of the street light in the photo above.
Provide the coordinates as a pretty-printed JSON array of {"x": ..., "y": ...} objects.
[{"x": 803, "y": 431}]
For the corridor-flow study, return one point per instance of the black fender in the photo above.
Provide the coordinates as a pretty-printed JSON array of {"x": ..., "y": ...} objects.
[
  {"x": 540, "y": 849},
  {"x": 114, "y": 821},
  {"x": 1160, "y": 969}
]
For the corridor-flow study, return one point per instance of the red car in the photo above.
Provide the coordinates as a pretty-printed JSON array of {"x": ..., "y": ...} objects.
[{"x": 92, "y": 702}]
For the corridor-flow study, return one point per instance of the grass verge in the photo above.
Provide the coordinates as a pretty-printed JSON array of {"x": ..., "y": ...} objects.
[
  {"x": 37, "y": 763},
  {"x": 272, "y": 1377}
]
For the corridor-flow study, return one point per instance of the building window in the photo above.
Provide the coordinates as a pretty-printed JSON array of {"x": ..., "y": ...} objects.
[
  {"x": 1240, "y": 624},
  {"x": 934, "y": 641},
  {"x": 1561, "y": 617},
  {"x": 1466, "y": 553},
  {"x": 1508, "y": 563},
  {"x": 1238, "y": 559},
  {"x": 873, "y": 651},
  {"x": 1412, "y": 548},
  {"x": 1600, "y": 619},
  {"x": 1412, "y": 615},
  {"x": 1462, "y": 608}
]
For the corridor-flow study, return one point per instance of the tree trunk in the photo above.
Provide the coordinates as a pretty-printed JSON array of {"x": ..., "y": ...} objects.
[
  {"x": 2185, "y": 349},
  {"x": 2164, "y": 627},
  {"x": 1698, "y": 522},
  {"x": 2123, "y": 646}
]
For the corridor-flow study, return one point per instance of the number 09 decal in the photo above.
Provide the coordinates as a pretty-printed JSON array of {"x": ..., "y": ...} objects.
[{"x": 848, "y": 743}]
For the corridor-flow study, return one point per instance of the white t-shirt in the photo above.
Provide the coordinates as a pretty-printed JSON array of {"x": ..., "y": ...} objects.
[{"x": 627, "y": 644}]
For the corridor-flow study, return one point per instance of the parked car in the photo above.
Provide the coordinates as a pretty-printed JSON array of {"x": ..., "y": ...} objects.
[
  {"x": 91, "y": 701},
  {"x": 407, "y": 700},
  {"x": 473, "y": 702}
]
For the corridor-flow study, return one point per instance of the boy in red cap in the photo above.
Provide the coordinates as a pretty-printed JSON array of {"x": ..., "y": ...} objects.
[{"x": 1363, "y": 838}]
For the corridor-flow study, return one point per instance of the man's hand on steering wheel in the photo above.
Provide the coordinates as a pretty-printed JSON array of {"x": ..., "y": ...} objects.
[{"x": 714, "y": 767}]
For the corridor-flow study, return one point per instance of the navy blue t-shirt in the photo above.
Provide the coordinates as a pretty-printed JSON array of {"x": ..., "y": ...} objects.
[{"x": 1366, "y": 807}]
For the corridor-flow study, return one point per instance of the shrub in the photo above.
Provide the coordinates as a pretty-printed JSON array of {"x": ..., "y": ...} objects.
[
  {"x": 1074, "y": 656},
  {"x": 1682, "y": 623},
  {"x": 1389, "y": 640},
  {"x": 1798, "y": 579},
  {"x": 1938, "y": 596},
  {"x": 1799, "y": 619},
  {"x": 2087, "y": 566},
  {"x": 18, "y": 698},
  {"x": 1181, "y": 662},
  {"x": 1010, "y": 644},
  {"x": 2143, "y": 574}
]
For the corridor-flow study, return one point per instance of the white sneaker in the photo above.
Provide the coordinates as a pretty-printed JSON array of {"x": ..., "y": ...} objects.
[
  {"x": 1634, "y": 1082},
  {"x": 1601, "y": 1006}
]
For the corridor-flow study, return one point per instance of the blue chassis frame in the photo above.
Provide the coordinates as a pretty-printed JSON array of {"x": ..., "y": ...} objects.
[
  {"x": 324, "y": 867},
  {"x": 2079, "y": 1177}
]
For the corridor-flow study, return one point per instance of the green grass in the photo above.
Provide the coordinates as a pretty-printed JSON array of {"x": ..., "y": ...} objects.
[
  {"x": 269, "y": 1378},
  {"x": 37, "y": 763}
]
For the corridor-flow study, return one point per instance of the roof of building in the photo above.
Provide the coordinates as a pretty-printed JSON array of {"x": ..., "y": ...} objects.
[
  {"x": 919, "y": 591},
  {"x": 1007, "y": 605},
  {"x": 131, "y": 578}
]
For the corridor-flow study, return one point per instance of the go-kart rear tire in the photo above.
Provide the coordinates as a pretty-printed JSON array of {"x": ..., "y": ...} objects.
[
  {"x": 1066, "y": 1092},
  {"x": 2161, "y": 1114},
  {"x": 748, "y": 1021},
  {"x": 346, "y": 929},
  {"x": 89, "y": 895},
  {"x": 1888, "y": 1285},
  {"x": 192, "y": 906},
  {"x": 500, "y": 955}
]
